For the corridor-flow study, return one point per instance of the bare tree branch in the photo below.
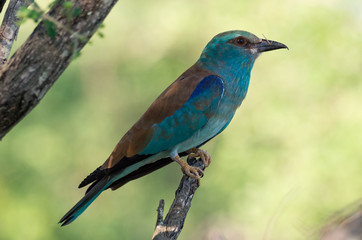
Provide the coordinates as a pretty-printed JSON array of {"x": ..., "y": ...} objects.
[
  {"x": 170, "y": 228},
  {"x": 9, "y": 29},
  {"x": 38, "y": 63},
  {"x": 346, "y": 224}
]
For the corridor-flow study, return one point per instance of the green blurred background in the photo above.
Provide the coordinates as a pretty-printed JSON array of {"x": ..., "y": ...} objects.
[{"x": 289, "y": 160}]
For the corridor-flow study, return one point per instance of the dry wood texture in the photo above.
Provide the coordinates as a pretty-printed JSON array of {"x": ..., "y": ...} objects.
[{"x": 171, "y": 226}]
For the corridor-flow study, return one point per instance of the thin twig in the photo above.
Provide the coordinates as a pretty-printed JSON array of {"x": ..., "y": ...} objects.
[
  {"x": 267, "y": 40},
  {"x": 160, "y": 210},
  {"x": 45, "y": 16},
  {"x": 283, "y": 204}
]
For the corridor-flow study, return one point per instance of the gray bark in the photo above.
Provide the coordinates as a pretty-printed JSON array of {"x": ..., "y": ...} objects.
[{"x": 37, "y": 64}]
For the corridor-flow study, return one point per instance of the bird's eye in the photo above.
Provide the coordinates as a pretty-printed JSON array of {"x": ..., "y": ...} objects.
[{"x": 240, "y": 41}]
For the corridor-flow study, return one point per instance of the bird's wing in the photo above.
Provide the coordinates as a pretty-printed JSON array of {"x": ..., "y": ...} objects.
[
  {"x": 183, "y": 108},
  {"x": 192, "y": 116}
]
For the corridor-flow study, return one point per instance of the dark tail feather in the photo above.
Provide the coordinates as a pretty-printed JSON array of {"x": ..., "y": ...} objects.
[
  {"x": 95, "y": 175},
  {"x": 82, "y": 205},
  {"x": 142, "y": 171}
]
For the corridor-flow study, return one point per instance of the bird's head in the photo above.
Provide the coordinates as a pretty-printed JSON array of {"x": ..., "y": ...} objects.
[{"x": 236, "y": 49}]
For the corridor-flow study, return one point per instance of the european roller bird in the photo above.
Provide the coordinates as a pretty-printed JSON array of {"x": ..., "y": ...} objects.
[{"x": 191, "y": 111}]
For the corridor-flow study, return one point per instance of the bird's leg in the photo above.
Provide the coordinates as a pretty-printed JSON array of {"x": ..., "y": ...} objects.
[
  {"x": 203, "y": 155},
  {"x": 193, "y": 172}
]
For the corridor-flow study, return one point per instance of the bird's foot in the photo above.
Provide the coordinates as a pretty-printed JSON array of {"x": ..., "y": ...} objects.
[
  {"x": 192, "y": 172},
  {"x": 203, "y": 155}
]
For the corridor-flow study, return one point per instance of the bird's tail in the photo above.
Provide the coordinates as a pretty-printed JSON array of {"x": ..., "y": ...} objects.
[{"x": 82, "y": 205}]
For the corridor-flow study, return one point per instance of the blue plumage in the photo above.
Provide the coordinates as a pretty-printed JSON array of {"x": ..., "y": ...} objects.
[{"x": 190, "y": 118}]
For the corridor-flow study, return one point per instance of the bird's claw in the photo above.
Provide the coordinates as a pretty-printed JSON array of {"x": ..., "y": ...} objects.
[
  {"x": 203, "y": 155},
  {"x": 193, "y": 172}
]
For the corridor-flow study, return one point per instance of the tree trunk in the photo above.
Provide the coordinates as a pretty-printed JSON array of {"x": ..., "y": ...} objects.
[{"x": 37, "y": 64}]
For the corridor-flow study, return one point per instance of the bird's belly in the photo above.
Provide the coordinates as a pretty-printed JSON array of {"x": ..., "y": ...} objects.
[
  {"x": 213, "y": 127},
  {"x": 216, "y": 123}
]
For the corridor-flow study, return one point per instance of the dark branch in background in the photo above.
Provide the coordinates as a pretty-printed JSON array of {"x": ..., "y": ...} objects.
[
  {"x": 9, "y": 28},
  {"x": 37, "y": 64},
  {"x": 2, "y": 3},
  {"x": 344, "y": 225},
  {"x": 171, "y": 227}
]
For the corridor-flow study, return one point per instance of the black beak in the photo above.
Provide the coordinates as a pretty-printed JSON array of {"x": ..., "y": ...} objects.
[{"x": 268, "y": 45}]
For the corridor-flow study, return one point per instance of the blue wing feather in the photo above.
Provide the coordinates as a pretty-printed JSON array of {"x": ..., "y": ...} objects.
[{"x": 188, "y": 119}]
